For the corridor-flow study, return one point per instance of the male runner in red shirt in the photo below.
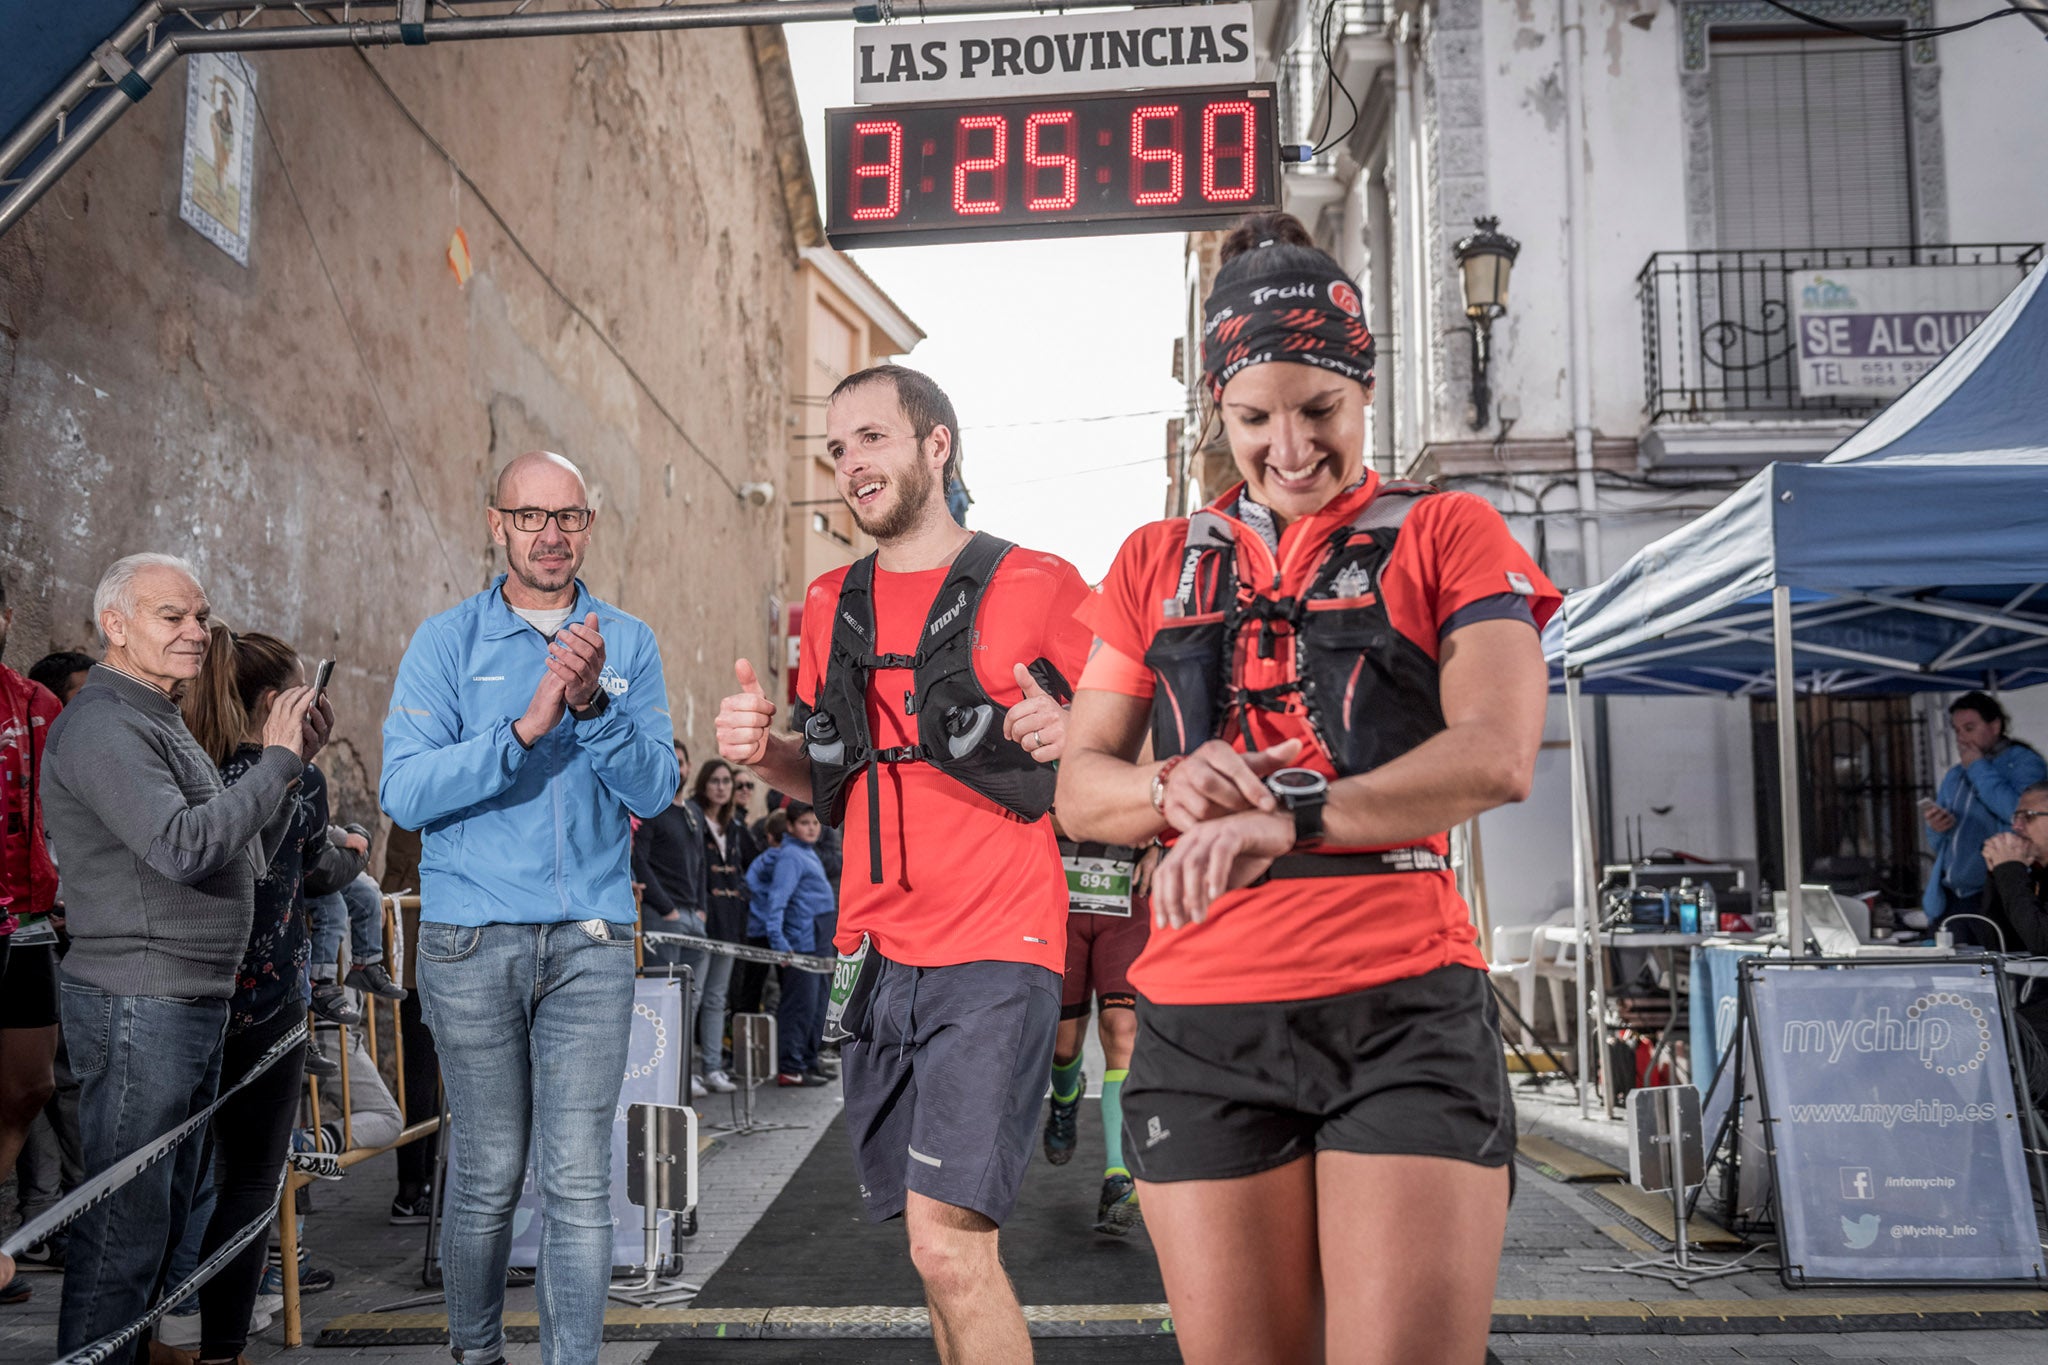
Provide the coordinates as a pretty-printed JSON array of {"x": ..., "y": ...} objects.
[{"x": 952, "y": 879}]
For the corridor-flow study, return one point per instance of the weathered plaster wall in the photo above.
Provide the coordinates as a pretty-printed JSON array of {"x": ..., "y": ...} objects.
[{"x": 155, "y": 395}]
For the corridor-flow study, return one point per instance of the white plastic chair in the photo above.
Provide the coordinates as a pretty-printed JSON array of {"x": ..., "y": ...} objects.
[{"x": 1524, "y": 954}]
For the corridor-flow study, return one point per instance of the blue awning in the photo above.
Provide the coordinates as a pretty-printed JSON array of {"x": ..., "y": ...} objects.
[{"x": 1917, "y": 553}]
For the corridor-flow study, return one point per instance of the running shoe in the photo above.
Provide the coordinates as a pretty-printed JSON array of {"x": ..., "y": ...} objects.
[
  {"x": 312, "y": 1280},
  {"x": 371, "y": 977},
  {"x": 319, "y": 1165},
  {"x": 719, "y": 1082},
  {"x": 820, "y": 1075},
  {"x": 331, "y": 1002},
  {"x": 1118, "y": 1212},
  {"x": 16, "y": 1290},
  {"x": 319, "y": 1063},
  {"x": 46, "y": 1255},
  {"x": 411, "y": 1207},
  {"x": 806, "y": 1079},
  {"x": 179, "y": 1329},
  {"x": 1059, "y": 1126},
  {"x": 697, "y": 1090}
]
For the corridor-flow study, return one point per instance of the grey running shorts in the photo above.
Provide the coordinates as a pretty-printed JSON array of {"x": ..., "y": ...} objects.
[
  {"x": 1410, "y": 1068},
  {"x": 944, "y": 1079}
]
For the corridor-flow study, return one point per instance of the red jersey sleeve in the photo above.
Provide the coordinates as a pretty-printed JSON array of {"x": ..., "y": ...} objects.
[
  {"x": 1455, "y": 551},
  {"x": 1124, "y": 611},
  {"x": 821, "y": 604},
  {"x": 1031, "y": 614}
]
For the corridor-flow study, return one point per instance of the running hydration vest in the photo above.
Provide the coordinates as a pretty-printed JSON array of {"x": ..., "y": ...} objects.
[
  {"x": 959, "y": 726},
  {"x": 1370, "y": 693}
]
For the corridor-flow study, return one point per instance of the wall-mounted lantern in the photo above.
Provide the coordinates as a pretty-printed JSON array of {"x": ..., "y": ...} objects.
[{"x": 1485, "y": 260}]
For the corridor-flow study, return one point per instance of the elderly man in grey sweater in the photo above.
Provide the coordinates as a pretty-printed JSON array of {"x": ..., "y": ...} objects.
[{"x": 160, "y": 862}]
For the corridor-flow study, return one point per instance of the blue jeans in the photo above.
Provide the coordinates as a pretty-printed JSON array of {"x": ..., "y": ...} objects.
[
  {"x": 145, "y": 1064},
  {"x": 824, "y": 929},
  {"x": 717, "y": 978},
  {"x": 356, "y": 910},
  {"x": 531, "y": 1022}
]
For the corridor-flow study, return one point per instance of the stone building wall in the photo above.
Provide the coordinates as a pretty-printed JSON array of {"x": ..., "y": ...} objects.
[{"x": 317, "y": 431}]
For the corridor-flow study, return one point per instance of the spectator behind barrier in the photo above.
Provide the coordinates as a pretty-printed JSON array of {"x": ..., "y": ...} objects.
[
  {"x": 1976, "y": 800},
  {"x": 525, "y": 877},
  {"x": 160, "y": 866},
  {"x": 63, "y": 673},
  {"x": 28, "y": 942},
  {"x": 725, "y": 916},
  {"x": 748, "y": 978},
  {"x": 51, "y": 1163},
  {"x": 796, "y": 896},
  {"x": 355, "y": 909},
  {"x": 241, "y": 684}
]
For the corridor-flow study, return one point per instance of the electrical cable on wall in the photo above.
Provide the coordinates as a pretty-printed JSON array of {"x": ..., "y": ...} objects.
[
  {"x": 1910, "y": 35},
  {"x": 549, "y": 280},
  {"x": 1330, "y": 78}
]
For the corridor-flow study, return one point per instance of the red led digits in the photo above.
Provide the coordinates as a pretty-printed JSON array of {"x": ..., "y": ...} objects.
[
  {"x": 995, "y": 163},
  {"x": 1241, "y": 153},
  {"x": 889, "y": 169},
  {"x": 1143, "y": 119},
  {"x": 1038, "y": 160}
]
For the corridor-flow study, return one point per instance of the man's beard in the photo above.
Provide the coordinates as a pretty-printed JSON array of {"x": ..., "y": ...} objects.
[
  {"x": 528, "y": 575},
  {"x": 913, "y": 494}
]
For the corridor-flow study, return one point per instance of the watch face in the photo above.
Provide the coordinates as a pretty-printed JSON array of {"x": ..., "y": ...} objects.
[{"x": 1297, "y": 782}]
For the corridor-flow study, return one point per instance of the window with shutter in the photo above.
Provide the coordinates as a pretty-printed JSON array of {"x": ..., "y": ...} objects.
[{"x": 1811, "y": 145}]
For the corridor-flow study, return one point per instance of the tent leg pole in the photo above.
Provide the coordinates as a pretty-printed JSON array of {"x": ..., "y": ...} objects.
[
  {"x": 1793, "y": 867},
  {"x": 1582, "y": 919}
]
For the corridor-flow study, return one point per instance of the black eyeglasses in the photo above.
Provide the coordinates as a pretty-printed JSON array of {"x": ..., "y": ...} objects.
[
  {"x": 2028, "y": 814},
  {"x": 570, "y": 519}
]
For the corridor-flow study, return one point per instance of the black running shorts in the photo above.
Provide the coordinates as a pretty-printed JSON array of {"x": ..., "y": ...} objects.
[
  {"x": 1409, "y": 1068},
  {"x": 945, "y": 1083}
]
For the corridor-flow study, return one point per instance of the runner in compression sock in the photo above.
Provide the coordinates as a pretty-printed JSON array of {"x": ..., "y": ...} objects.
[
  {"x": 1067, "y": 1080},
  {"x": 1112, "y": 1119}
]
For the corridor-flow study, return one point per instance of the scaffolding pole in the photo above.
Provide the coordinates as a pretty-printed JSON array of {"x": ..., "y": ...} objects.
[{"x": 123, "y": 79}]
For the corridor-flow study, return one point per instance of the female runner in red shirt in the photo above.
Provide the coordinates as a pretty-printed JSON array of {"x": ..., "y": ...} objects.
[{"x": 1338, "y": 671}]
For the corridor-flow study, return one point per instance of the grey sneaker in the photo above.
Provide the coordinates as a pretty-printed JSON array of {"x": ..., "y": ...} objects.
[
  {"x": 372, "y": 977},
  {"x": 720, "y": 1082},
  {"x": 330, "y": 1001}
]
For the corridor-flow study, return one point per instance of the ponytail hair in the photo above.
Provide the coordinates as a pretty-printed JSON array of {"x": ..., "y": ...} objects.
[{"x": 219, "y": 703}]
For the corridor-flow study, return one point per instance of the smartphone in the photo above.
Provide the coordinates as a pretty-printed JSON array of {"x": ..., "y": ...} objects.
[{"x": 320, "y": 677}]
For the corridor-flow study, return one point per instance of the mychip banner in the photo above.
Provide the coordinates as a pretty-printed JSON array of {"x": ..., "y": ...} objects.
[
  {"x": 1895, "y": 1135},
  {"x": 653, "y": 1076}
]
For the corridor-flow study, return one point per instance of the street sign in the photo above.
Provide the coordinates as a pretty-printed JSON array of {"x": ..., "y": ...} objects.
[
  {"x": 1144, "y": 49},
  {"x": 1162, "y": 161}
]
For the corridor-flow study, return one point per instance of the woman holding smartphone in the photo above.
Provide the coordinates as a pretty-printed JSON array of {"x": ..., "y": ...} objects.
[{"x": 1334, "y": 671}]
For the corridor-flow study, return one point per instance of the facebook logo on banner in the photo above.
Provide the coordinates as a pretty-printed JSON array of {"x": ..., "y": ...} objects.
[{"x": 1856, "y": 1183}]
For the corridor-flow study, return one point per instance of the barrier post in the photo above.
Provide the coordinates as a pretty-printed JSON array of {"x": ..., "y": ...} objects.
[
  {"x": 348, "y": 1137},
  {"x": 288, "y": 1251}
]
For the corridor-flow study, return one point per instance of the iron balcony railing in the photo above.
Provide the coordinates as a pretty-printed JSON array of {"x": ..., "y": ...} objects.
[{"x": 1718, "y": 338}]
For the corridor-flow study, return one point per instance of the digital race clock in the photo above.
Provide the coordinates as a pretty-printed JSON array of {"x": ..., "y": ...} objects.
[{"x": 1141, "y": 161}]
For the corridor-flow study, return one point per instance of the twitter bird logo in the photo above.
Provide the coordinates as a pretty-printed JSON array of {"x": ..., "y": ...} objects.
[{"x": 1859, "y": 1233}]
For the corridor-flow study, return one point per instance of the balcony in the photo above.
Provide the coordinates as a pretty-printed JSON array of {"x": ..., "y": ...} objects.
[
  {"x": 1312, "y": 110},
  {"x": 1719, "y": 339}
]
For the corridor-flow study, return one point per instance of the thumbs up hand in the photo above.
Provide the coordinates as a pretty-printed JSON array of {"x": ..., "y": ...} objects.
[
  {"x": 744, "y": 718},
  {"x": 1037, "y": 722}
]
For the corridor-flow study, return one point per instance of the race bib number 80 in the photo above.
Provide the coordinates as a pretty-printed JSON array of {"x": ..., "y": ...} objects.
[{"x": 1098, "y": 886}]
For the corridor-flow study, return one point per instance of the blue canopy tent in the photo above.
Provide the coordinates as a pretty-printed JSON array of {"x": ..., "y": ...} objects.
[{"x": 1914, "y": 558}]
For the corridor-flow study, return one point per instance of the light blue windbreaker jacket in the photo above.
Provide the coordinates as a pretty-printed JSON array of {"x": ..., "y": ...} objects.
[
  {"x": 511, "y": 835},
  {"x": 1983, "y": 798}
]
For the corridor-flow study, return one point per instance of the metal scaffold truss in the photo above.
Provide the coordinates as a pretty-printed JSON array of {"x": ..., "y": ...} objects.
[{"x": 127, "y": 66}]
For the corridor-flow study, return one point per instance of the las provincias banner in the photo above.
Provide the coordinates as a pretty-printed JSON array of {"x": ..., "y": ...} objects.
[{"x": 1070, "y": 54}]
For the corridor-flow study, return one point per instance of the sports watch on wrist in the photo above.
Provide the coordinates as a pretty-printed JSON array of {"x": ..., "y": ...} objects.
[
  {"x": 599, "y": 702},
  {"x": 1301, "y": 793}
]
